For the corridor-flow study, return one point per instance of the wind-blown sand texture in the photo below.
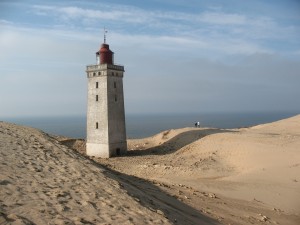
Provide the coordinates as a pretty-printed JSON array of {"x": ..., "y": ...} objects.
[
  {"x": 44, "y": 182},
  {"x": 182, "y": 176}
]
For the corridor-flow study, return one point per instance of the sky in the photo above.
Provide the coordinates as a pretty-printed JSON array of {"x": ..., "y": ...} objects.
[{"x": 180, "y": 56}]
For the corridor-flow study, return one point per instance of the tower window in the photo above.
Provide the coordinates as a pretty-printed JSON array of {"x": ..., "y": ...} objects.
[
  {"x": 97, "y": 125},
  {"x": 115, "y": 84},
  {"x": 94, "y": 74},
  {"x": 99, "y": 73},
  {"x": 96, "y": 84},
  {"x": 96, "y": 98},
  {"x": 116, "y": 98}
]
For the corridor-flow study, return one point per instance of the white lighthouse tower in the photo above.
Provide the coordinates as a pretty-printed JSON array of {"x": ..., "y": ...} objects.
[{"x": 106, "y": 132}]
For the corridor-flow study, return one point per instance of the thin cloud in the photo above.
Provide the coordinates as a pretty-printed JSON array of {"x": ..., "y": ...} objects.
[
  {"x": 210, "y": 59},
  {"x": 231, "y": 26},
  {"x": 238, "y": 33},
  {"x": 73, "y": 12},
  {"x": 222, "y": 18}
]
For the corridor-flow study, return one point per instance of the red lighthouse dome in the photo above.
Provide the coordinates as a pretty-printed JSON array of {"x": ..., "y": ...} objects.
[{"x": 106, "y": 55}]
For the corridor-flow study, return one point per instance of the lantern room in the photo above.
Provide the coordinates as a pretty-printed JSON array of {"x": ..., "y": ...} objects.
[{"x": 105, "y": 55}]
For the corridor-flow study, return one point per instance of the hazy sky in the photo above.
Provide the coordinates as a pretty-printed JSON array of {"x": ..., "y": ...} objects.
[{"x": 180, "y": 56}]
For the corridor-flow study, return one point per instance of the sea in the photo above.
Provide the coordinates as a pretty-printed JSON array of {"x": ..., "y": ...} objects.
[{"x": 143, "y": 125}]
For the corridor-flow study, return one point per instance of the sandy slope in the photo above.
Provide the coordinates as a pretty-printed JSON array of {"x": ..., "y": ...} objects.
[
  {"x": 43, "y": 182},
  {"x": 183, "y": 176},
  {"x": 254, "y": 172}
]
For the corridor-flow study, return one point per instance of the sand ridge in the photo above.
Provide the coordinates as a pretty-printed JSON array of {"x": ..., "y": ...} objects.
[
  {"x": 180, "y": 176},
  {"x": 43, "y": 182},
  {"x": 253, "y": 170}
]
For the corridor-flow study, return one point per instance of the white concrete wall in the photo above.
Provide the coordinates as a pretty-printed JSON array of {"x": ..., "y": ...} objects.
[
  {"x": 97, "y": 150},
  {"x": 97, "y": 110},
  {"x": 116, "y": 115},
  {"x": 108, "y": 112}
]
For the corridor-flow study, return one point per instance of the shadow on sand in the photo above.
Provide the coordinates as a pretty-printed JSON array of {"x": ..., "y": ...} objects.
[
  {"x": 177, "y": 142},
  {"x": 150, "y": 195},
  {"x": 155, "y": 199}
]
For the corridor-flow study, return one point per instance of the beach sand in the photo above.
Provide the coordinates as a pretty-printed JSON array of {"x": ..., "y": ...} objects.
[{"x": 182, "y": 176}]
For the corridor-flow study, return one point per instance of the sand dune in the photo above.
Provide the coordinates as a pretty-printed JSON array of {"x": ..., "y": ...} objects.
[
  {"x": 44, "y": 182},
  {"x": 182, "y": 176},
  {"x": 255, "y": 167}
]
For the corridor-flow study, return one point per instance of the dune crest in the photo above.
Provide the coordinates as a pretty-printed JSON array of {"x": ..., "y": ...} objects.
[
  {"x": 44, "y": 182},
  {"x": 260, "y": 164},
  {"x": 185, "y": 176}
]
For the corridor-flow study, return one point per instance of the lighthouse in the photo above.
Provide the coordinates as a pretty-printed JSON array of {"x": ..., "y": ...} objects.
[{"x": 106, "y": 131}]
